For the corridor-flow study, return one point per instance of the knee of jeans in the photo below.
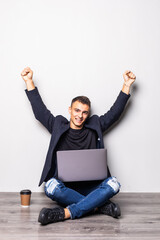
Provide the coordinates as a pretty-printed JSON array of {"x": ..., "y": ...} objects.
[
  {"x": 50, "y": 186},
  {"x": 114, "y": 184}
]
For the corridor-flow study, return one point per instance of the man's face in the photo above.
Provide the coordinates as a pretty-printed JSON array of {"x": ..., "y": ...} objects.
[{"x": 79, "y": 113}]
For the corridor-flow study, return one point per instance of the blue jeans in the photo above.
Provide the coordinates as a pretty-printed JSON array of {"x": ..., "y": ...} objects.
[{"x": 78, "y": 204}]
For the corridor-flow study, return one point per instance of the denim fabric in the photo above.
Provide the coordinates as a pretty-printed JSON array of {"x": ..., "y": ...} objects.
[
  {"x": 57, "y": 191},
  {"x": 78, "y": 204}
]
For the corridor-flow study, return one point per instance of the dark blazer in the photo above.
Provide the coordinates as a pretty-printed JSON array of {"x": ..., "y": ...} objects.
[{"x": 59, "y": 124}]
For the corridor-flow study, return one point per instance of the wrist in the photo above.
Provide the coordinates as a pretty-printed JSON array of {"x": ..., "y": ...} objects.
[
  {"x": 126, "y": 85},
  {"x": 29, "y": 80},
  {"x": 126, "y": 88},
  {"x": 30, "y": 85}
]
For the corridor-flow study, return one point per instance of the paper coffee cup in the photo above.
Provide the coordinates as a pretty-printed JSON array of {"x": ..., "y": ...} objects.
[{"x": 25, "y": 197}]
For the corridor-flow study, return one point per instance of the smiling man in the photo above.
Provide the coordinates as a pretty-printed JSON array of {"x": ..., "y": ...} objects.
[
  {"x": 79, "y": 111},
  {"x": 81, "y": 132}
]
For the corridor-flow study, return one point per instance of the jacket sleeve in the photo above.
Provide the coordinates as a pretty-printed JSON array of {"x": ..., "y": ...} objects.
[
  {"x": 115, "y": 111},
  {"x": 40, "y": 111}
]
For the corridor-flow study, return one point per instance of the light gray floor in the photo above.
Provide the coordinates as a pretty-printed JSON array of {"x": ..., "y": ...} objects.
[{"x": 140, "y": 220}]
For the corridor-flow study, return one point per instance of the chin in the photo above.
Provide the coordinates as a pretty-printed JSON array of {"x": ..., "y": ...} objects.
[{"x": 79, "y": 125}]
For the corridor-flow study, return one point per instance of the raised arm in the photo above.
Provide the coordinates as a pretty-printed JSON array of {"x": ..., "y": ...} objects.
[
  {"x": 40, "y": 111},
  {"x": 116, "y": 110}
]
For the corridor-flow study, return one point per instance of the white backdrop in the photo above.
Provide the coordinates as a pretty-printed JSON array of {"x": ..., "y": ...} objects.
[{"x": 80, "y": 47}]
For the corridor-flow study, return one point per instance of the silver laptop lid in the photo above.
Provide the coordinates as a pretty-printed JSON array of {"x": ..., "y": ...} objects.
[{"x": 82, "y": 165}]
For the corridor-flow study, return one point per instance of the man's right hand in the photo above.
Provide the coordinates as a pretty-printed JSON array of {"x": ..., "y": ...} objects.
[{"x": 27, "y": 75}]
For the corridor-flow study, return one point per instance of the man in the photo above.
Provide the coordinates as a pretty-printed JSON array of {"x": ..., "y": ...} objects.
[{"x": 81, "y": 132}]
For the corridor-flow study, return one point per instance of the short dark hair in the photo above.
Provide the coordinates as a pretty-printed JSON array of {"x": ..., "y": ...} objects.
[{"x": 82, "y": 99}]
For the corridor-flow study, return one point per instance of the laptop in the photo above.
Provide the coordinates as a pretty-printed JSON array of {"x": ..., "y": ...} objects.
[{"x": 82, "y": 165}]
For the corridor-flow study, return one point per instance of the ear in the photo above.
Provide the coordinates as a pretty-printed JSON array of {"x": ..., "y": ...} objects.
[{"x": 69, "y": 110}]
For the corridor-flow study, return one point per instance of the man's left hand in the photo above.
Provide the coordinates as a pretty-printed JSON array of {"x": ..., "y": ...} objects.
[{"x": 129, "y": 78}]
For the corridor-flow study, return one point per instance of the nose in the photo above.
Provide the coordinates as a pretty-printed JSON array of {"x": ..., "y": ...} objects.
[{"x": 80, "y": 115}]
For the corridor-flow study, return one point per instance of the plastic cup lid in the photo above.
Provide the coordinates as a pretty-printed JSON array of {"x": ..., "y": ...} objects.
[{"x": 25, "y": 192}]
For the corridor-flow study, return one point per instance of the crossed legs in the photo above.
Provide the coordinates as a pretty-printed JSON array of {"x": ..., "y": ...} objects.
[{"x": 77, "y": 205}]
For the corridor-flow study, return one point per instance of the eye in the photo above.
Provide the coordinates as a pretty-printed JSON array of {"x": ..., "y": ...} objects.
[{"x": 85, "y": 113}]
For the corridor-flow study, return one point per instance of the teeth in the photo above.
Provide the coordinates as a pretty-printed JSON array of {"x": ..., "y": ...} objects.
[{"x": 78, "y": 120}]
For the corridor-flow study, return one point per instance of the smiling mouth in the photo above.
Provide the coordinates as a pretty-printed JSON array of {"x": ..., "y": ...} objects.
[{"x": 78, "y": 120}]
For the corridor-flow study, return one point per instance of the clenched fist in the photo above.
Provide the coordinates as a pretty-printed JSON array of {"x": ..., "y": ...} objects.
[
  {"x": 129, "y": 78},
  {"x": 27, "y": 74}
]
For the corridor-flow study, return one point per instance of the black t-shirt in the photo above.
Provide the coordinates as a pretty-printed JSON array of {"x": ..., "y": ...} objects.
[{"x": 75, "y": 139}]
